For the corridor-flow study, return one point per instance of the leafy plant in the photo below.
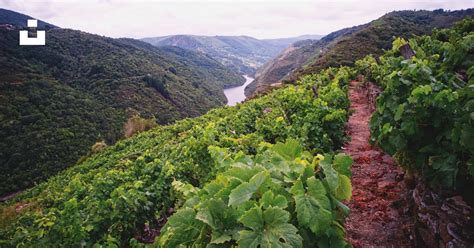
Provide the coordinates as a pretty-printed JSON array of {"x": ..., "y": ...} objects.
[
  {"x": 274, "y": 199},
  {"x": 425, "y": 114}
]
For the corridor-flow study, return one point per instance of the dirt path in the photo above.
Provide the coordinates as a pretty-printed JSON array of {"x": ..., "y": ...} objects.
[{"x": 375, "y": 219}]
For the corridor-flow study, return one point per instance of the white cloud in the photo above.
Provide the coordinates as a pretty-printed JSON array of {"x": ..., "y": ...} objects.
[{"x": 262, "y": 19}]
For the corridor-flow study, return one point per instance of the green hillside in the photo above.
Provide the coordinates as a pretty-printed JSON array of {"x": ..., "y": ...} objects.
[
  {"x": 20, "y": 20},
  {"x": 378, "y": 36},
  {"x": 57, "y": 100},
  {"x": 345, "y": 46},
  {"x": 110, "y": 197}
]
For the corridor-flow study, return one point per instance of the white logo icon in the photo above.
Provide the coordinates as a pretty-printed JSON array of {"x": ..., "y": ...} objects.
[{"x": 39, "y": 40}]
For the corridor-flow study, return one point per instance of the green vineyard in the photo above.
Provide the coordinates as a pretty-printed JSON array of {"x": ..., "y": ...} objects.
[
  {"x": 109, "y": 197},
  {"x": 425, "y": 115},
  {"x": 269, "y": 172}
]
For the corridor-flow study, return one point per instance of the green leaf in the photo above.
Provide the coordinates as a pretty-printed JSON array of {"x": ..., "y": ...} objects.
[
  {"x": 219, "y": 238},
  {"x": 268, "y": 199},
  {"x": 243, "y": 172},
  {"x": 244, "y": 191},
  {"x": 290, "y": 150},
  {"x": 253, "y": 218},
  {"x": 313, "y": 207},
  {"x": 268, "y": 229},
  {"x": 399, "y": 112},
  {"x": 344, "y": 190},
  {"x": 186, "y": 189},
  {"x": 339, "y": 184},
  {"x": 220, "y": 156},
  {"x": 216, "y": 214},
  {"x": 318, "y": 192},
  {"x": 386, "y": 128},
  {"x": 332, "y": 177},
  {"x": 182, "y": 228},
  {"x": 280, "y": 201},
  {"x": 342, "y": 164}
]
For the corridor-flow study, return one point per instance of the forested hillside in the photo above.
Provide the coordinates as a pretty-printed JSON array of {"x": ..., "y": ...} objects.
[
  {"x": 20, "y": 20},
  {"x": 57, "y": 100},
  {"x": 242, "y": 54},
  {"x": 345, "y": 46}
]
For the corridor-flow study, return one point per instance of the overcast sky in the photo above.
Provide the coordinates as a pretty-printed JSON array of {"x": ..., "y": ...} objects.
[{"x": 260, "y": 19}]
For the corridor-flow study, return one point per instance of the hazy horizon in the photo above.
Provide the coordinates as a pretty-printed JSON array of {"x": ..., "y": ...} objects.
[{"x": 262, "y": 20}]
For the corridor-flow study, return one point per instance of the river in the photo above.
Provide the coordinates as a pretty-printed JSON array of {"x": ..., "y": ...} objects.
[{"x": 236, "y": 94}]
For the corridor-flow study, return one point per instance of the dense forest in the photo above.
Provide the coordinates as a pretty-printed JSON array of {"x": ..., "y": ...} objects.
[{"x": 58, "y": 100}]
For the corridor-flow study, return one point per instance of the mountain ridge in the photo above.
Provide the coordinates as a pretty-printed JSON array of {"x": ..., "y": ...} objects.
[
  {"x": 344, "y": 46},
  {"x": 20, "y": 20},
  {"x": 243, "y": 54},
  {"x": 293, "y": 57}
]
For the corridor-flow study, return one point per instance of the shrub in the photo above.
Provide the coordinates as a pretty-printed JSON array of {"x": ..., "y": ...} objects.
[
  {"x": 137, "y": 124},
  {"x": 98, "y": 146}
]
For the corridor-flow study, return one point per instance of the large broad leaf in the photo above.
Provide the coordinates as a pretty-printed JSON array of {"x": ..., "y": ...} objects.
[
  {"x": 181, "y": 229},
  {"x": 268, "y": 229},
  {"x": 269, "y": 199},
  {"x": 332, "y": 176},
  {"x": 290, "y": 150},
  {"x": 337, "y": 179},
  {"x": 342, "y": 164},
  {"x": 344, "y": 189},
  {"x": 313, "y": 209},
  {"x": 221, "y": 156},
  {"x": 217, "y": 214},
  {"x": 244, "y": 191},
  {"x": 242, "y": 172},
  {"x": 221, "y": 219}
]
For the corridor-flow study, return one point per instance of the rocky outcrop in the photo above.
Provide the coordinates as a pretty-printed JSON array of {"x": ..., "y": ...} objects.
[{"x": 442, "y": 219}]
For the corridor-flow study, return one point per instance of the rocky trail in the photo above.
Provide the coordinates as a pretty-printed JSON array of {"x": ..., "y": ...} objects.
[{"x": 376, "y": 218}]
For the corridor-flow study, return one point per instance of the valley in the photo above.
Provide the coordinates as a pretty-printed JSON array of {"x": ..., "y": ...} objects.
[
  {"x": 237, "y": 94},
  {"x": 242, "y": 54},
  {"x": 359, "y": 138},
  {"x": 51, "y": 92}
]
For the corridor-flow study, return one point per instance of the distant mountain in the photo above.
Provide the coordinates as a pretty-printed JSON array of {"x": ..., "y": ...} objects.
[
  {"x": 57, "y": 100},
  {"x": 285, "y": 42},
  {"x": 293, "y": 57},
  {"x": 345, "y": 46},
  {"x": 242, "y": 54}
]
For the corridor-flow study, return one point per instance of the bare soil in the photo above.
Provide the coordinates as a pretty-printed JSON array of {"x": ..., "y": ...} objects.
[{"x": 378, "y": 217}]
